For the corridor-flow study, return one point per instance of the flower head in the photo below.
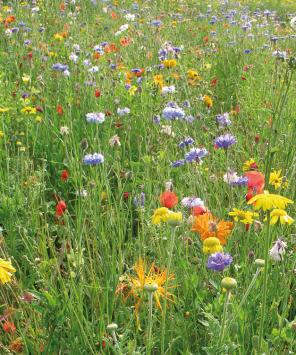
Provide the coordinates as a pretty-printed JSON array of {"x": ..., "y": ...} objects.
[
  {"x": 245, "y": 217},
  {"x": 6, "y": 271},
  {"x": 278, "y": 250},
  {"x": 93, "y": 159},
  {"x": 168, "y": 199},
  {"x": 160, "y": 215},
  {"x": 225, "y": 141},
  {"x": 267, "y": 201},
  {"x": 277, "y": 180},
  {"x": 212, "y": 245},
  {"x": 281, "y": 216},
  {"x": 219, "y": 261},
  {"x": 206, "y": 225}
]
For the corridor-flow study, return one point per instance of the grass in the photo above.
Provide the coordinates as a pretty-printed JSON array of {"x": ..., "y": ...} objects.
[{"x": 63, "y": 295}]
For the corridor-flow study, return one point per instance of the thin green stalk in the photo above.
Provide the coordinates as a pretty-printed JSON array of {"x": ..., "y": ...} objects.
[
  {"x": 172, "y": 243},
  {"x": 150, "y": 321},
  {"x": 264, "y": 291},
  {"x": 224, "y": 317}
]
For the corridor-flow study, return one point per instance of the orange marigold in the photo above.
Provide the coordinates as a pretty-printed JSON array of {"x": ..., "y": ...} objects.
[{"x": 207, "y": 225}]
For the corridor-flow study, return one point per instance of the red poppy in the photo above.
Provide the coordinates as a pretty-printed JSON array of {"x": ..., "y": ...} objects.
[
  {"x": 97, "y": 93},
  {"x": 168, "y": 199},
  {"x": 64, "y": 175},
  {"x": 214, "y": 82},
  {"x": 8, "y": 327},
  {"x": 60, "y": 208},
  {"x": 256, "y": 182},
  {"x": 126, "y": 195}
]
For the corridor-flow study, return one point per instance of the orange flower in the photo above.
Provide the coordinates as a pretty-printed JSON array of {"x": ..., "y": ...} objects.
[
  {"x": 207, "y": 225},
  {"x": 125, "y": 41},
  {"x": 168, "y": 199}
]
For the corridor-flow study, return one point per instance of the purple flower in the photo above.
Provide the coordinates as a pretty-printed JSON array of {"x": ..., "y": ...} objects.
[
  {"x": 60, "y": 67},
  {"x": 219, "y": 261},
  {"x": 95, "y": 117},
  {"x": 223, "y": 120},
  {"x": 173, "y": 113},
  {"x": 195, "y": 155},
  {"x": 139, "y": 201},
  {"x": 93, "y": 159},
  {"x": 185, "y": 142},
  {"x": 177, "y": 163},
  {"x": 225, "y": 141}
]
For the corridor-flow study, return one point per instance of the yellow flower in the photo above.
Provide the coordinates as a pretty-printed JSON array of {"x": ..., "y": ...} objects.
[
  {"x": 193, "y": 75},
  {"x": 208, "y": 101},
  {"x": 132, "y": 90},
  {"x": 160, "y": 215},
  {"x": 277, "y": 180},
  {"x": 249, "y": 164},
  {"x": 174, "y": 218},
  {"x": 1, "y": 134},
  {"x": 26, "y": 78},
  {"x": 169, "y": 63},
  {"x": 268, "y": 201},
  {"x": 6, "y": 271},
  {"x": 4, "y": 109},
  {"x": 246, "y": 217},
  {"x": 29, "y": 110},
  {"x": 212, "y": 245},
  {"x": 280, "y": 215}
]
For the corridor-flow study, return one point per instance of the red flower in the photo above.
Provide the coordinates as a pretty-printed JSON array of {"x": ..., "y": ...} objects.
[
  {"x": 257, "y": 138},
  {"x": 126, "y": 195},
  {"x": 214, "y": 82},
  {"x": 168, "y": 199},
  {"x": 198, "y": 210},
  {"x": 64, "y": 175},
  {"x": 256, "y": 182},
  {"x": 97, "y": 93},
  {"x": 60, "y": 208},
  {"x": 60, "y": 110},
  {"x": 8, "y": 327}
]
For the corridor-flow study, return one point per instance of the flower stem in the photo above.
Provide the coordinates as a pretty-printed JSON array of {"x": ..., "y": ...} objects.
[
  {"x": 224, "y": 316},
  {"x": 150, "y": 321},
  {"x": 265, "y": 279},
  {"x": 172, "y": 243}
]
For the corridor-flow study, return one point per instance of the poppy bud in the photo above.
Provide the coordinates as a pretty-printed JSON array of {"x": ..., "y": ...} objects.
[
  {"x": 97, "y": 93},
  {"x": 60, "y": 110}
]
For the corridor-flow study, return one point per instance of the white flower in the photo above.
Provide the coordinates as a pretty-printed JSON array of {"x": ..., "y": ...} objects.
[
  {"x": 73, "y": 57},
  {"x": 192, "y": 202},
  {"x": 168, "y": 89},
  {"x": 278, "y": 250},
  {"x": 293, "y": 22},
  {"x": 230, "y": 177},
  {"x": 64, "y": 130},
  {"x": 114, "y": 141},
  {"x": 165, "y": 129},
  {"x": 130, "y": 17}
]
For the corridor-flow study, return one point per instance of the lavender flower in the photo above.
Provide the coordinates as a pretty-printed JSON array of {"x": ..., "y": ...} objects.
[
  {"x": 173, "y": 113},
  {"x": 219, "y": 261},
  {"x": 186, "y": 141},
  {"x": 60, "y": 67},
  {"x": 278, "y": 250},
  {"x": 177, "y": 163},
  {"x": 95, "y": 117},
  {"x": 223, "y": 120},
  {"x": 123, "y": 111},
  {"x": 93, "y": 159},
  {"x": 225, "y": 141},
  {"x": 139, "y": 201},
  {"x": 191, "y": 202},
  {"x": 195, "y": 155}
]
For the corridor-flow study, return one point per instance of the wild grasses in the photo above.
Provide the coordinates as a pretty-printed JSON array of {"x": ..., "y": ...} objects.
[{"x": 137, "y": 142}]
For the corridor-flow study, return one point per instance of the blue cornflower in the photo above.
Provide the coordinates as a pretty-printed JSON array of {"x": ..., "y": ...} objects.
[
  {"x": 173, "y": 113},
  {"x": 219, "y": 261},
  {"x": 240, "y": 181},
  {"x": 93, "y": 159},
  {"x": 225, "y": 141},
  {"x": 195, "y": 155},
  {"x": 60, "y": 67},
  {"x": 223, "y": 120},
  {"x": 139, "y": 201},
  {"x": 185, "y": 142},
  {"x": 95, "y": 117},
  {"x": 177, "y": 163}
]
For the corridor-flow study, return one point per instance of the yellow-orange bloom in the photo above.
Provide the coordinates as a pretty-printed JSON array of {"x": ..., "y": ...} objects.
[
  {"x": 207, "y": 226},
  {"x": 267, "y": 201},
  {"x": 6, "y": 271},
  {"x": 280, "y": 215}
]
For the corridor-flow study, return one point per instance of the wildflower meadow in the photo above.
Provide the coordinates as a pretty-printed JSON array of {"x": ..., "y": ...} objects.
[{"x": 147, "y": 177}]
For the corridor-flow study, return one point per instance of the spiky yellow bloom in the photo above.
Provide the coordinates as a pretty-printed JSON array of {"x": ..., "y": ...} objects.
[
  {"x": 158, "y": 80},
  {"x": 29, "y": 110},
  {"x": 211, "y": 245},
  {"x": 6, "y": 271},
  {"x": 277, "y": 180},
  {"x": 246, "y": 217},
  {"x": 133, "y": 286},
  {"x": 169, "y": 63},
  {"x": 267, "y": 201},
  {"x": 281, "y": 216},
  {"x": 193, "y": 75}
]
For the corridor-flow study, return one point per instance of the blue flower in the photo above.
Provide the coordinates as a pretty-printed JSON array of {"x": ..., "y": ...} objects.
[
  {"x": 225, "y": 141},
  {"x": 173, "y": 113},
  {"x": 95, "y": 117},
  {"x": 60, "y": 67},
  {"x": 219, "y": 261},
  {"x": 195, "y": 155},
  {"x": 223, "y": 120},
  {"x": 93, "y": 159},
  {"x": 177, "y": 163},
  {"x": 185, "y": 142}
]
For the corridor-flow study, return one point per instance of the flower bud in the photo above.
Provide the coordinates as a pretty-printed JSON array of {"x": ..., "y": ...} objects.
[
  {"x": 228, "y": 283},
  {"x": 150, "y": 287},
  {"x": 259, "y": 262},
  {"x": 112, "y": 327}
]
